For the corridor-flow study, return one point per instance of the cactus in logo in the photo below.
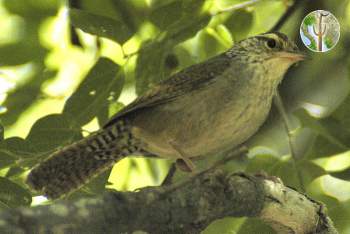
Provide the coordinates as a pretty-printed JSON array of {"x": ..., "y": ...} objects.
[{"x": 320, "y": 31}]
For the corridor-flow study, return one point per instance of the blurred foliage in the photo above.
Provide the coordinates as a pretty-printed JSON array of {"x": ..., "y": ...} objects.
[
  {"x": 54, "y": 90},
  {"x": 310, "y": 20}
]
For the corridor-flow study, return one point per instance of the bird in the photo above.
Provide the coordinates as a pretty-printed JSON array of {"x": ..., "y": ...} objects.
[{"x": 202, "y": 110}]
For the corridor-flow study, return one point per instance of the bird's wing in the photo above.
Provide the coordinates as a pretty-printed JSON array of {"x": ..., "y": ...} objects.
[{"x": 185, "y": 81}]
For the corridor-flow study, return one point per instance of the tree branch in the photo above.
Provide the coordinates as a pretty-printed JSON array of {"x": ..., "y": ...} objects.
[
  {"x": 290, "y": 10},
  {"x": 189, "y": 209}
]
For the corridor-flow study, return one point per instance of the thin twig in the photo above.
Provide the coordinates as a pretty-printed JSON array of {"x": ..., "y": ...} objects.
[
  {"x": 74, "y": 38},
  {"x": 169, "y": 177},
  {"x": 287, "y": 124},
  {"x": 237, "y": 6}
]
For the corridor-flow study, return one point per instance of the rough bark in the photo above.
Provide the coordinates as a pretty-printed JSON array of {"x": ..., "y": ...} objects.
[{"x": 187, "y": 208}]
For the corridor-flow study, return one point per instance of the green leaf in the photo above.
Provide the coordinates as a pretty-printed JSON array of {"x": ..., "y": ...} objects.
[
  {"x": 16, "y": 151},
  {"x": 12, "y": 195},
  {"x": 24, "y": 96},
  {"x": 102, "y": 117},
  {"x": 321, "y": 127},
  {"x": 209, "y": 44},
  {"x": 16, "y": 147},
  {"x": 285, "y": 169},
  {"x": 224, "y": 226},
  {"x": 150, "y": 65},
  {"x": 329, "y": 42},
  {"x": 2, "y": 132},
  {"x": 342, "y": 113},
  {"x": 33, "y": 8},
  {"x": 254, "y": 226},
  {"x": 51, "y": 132},
  {"x": 114, "y": 108},
  {"x": 310, "y": 20},
  {"x": 287, "y": 172},
  {"x": 310, "y": 171},
  {"x": 186, "y": 28},
  {"x": 262, "y": 162},
  {"x": 6, "y": 158},
  {"x": 19, "y": 53},
  {"x": 108, "y": 112},
  {"x": 240, "y": 23},
  {"x": 15, "y": 172},
  {"x": 95, "y": 187},
  {"x": 165, "y": 15},
  {"x": 321, "y": 147},
  {"x": 343, "y": 175},
  {"x": 104, "y": 79},
  {"x": 100, "y": 25}
]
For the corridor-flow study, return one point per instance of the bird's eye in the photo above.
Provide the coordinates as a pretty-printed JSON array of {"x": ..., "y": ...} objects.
[{"x": 271, "y": 43}]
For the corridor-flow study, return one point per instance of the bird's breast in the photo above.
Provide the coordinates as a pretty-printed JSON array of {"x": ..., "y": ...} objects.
[{"x": 202, "y": 123}]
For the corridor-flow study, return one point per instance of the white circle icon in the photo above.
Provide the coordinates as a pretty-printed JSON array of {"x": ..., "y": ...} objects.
[{"x": 320, "y": 31}]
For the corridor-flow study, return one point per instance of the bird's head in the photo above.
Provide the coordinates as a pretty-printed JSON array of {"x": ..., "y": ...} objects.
[{"x": 274, "y": 51}]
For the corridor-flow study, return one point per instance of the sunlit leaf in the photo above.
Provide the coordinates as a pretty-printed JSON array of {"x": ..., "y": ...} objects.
[
  {"x": 24, "y": 96},
  {"x": 100, "y": 25},
  {"x": 13, "y": 195},
  {"x": 108, "y": 112},
  {"x": 338, "y": 188},
  {"x": 103, "y": 79},
  {"x": 113, "y": 106}
]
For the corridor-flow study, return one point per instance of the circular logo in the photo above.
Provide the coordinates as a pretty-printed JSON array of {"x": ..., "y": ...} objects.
[{"x": 320, "y": 31}]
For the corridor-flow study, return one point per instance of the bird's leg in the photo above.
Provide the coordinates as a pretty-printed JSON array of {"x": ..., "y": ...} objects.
[
  {"x": 169, "y": 177},
  {"x": 183, "y": 162}
]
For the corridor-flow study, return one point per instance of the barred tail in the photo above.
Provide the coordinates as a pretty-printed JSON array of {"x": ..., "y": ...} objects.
[{"x": 74, "y": 165}]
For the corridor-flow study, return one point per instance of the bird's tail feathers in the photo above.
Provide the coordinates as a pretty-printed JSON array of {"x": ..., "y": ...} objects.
[{"x": 73, "y": 166}]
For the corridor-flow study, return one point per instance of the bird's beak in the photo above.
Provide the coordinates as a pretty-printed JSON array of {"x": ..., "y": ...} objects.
[{"x": 293, "y": 56}]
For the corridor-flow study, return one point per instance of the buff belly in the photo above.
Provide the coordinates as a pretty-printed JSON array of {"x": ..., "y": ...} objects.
[{"x": 201, "y": 129}]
